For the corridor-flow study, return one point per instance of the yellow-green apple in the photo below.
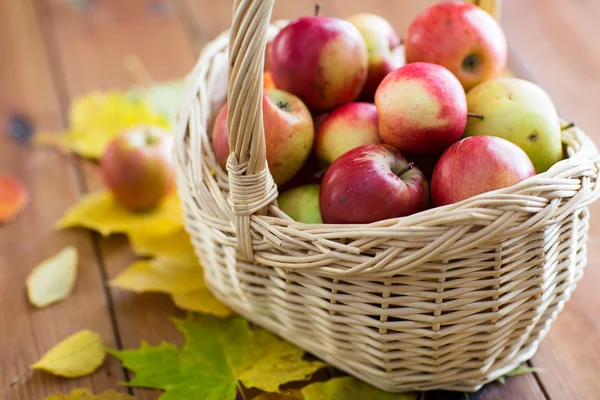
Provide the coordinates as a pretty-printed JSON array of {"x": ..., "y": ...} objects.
[
  {"x": 371, "y": 183},
  {"x": 422, "y": 109},
  {"x": 137, "y": 167},
  {"x": 477, "y": 165},
  {"x": 301, "y": 204},
  {"x": 384, "y": 51},
  {"x": 518, "y": 111},
  {"x": 322, "y": 60},
  {"x": 289, "y": 134},
  {"x": 352, "y": 125},
  {"x": 460, "y": 36}
]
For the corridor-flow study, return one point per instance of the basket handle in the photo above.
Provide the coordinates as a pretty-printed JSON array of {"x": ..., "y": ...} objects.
[{"x": 251, "y": 185}]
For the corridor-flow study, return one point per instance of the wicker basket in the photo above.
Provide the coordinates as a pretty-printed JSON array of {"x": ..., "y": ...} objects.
[{"x": 449, "y": 298}]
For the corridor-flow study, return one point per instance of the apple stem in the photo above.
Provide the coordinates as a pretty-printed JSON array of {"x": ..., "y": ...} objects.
[
  {"x": 406, "y": 168},
  {"x": 318, "y": 7},
  {"x": 568, "y": 126},
  {"x": 473, "y": 115}
]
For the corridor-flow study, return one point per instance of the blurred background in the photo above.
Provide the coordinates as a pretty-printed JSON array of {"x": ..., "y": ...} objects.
[{"x": 62, "y": 48}]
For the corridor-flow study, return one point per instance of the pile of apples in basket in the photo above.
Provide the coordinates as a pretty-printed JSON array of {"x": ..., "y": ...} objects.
[{"x": 394, "y": 129}]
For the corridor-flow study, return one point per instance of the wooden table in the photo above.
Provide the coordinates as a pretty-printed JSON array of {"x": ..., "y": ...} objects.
[{"x": 54, "y": 50}]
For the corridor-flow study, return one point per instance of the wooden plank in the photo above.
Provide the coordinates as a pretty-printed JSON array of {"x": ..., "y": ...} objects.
[
  {"x": 27, "y": 333},
  {"x": 553, "y": 44},
  {"x": 399, "y": 13},
  {"x": 523, "y": 387},
  {"x": 208, "y": 20},
  {"x": 92, "y": 46}
]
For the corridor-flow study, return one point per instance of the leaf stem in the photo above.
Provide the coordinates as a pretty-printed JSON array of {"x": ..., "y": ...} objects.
[{"x": 19, "y": 378}]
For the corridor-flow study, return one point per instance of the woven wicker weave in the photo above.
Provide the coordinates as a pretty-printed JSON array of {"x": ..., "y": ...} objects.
[{"x": 449, "y": 298}]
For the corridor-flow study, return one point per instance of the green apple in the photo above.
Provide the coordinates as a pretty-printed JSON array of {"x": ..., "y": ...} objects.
[
  {"x": 520, "y": 112},
  {"x": 302, "y": 204}
]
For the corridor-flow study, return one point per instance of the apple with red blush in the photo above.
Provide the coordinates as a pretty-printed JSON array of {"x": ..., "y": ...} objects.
[
  {"x": 384, "y": 50},
  {"x": 461, "y": 37},
  {"x": 371, "y": 183},
  {"x": 289, "y": 134},
  {"x": 348, "y": 127},
  {"x": 137, "y": 167},
  {"x": 477, "y": 165},
  {"x": 322, "y": 60},
  {"x": 422, "y": 109}
]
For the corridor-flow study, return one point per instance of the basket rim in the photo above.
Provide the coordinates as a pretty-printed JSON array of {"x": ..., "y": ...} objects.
[{"x": 587, "y": 148}]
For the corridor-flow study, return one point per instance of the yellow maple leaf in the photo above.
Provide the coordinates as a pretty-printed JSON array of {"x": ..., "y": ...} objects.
[
  {"x": 78, "y": 355},
  {"x": 100, "y": 212},
  {"x": 176, "y": 246},
  {"x": 201, "y": 300},
  {"x": 86, "y": 394},
  {"x": 184, "y": 281},
  {"x": 53, "y": 279},
  {"x": 97, "y": 118},
  {"x": 160, "y": 275}
]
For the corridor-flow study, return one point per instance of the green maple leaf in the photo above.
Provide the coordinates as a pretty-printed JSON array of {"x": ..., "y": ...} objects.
[
  {"x": 348, "y": 388},
  {"x": 219, "y": 354},
  {"x": 520, "y": 370}
]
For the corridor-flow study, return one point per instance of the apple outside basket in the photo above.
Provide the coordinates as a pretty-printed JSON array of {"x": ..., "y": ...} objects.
[{"x": 450, "y": 298}]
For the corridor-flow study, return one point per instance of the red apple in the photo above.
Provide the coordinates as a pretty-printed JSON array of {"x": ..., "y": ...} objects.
[
  {"x": 349, "y": 126},
  {"x": 289, "y": 134},
  {"x": 422, "y": 109},
  {"x": 137, "y": 167},
  {"x": 321, "y": 60},
  {"x": 477, "y": 165},
  {"x": 461, "y": 37},
  {"x": 384, "y": 51},
  {"x": 371, "y": 183}
]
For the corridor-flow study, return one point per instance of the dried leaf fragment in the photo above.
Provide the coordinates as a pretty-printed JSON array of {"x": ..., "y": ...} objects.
[
  {"x": 78, "y": 355},
  {"x": 13, "y": 198},
  {"x": 53, "y": 279}
]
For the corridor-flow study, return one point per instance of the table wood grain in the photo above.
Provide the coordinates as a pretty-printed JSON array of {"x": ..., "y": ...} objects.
[{"x": 52, "y": 51}]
